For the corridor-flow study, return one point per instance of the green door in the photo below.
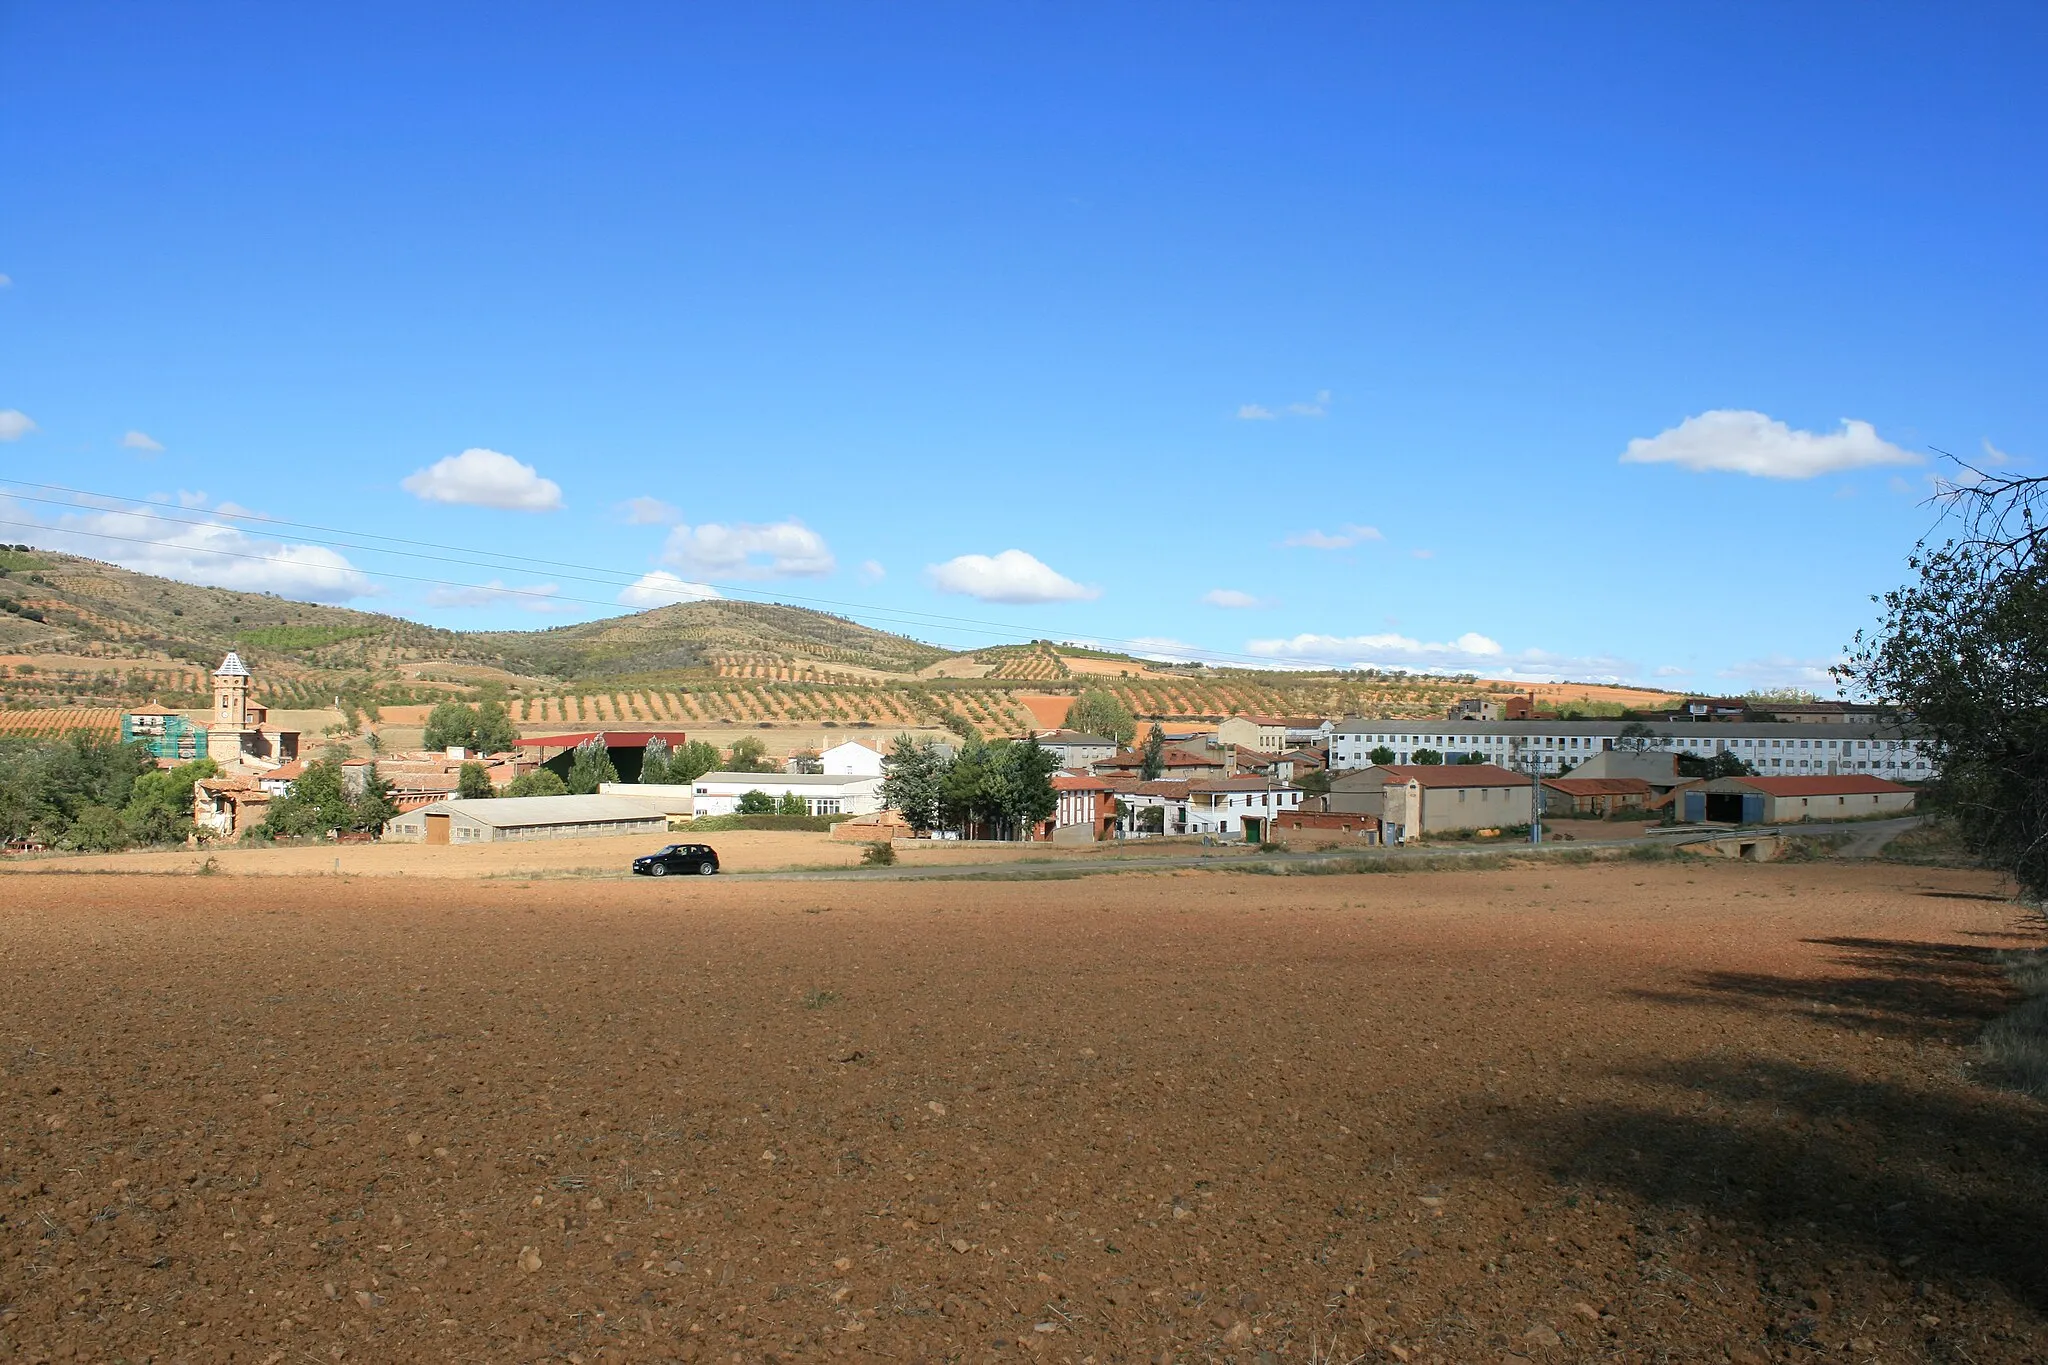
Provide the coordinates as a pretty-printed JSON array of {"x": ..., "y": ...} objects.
[{"x": 1254, "y": 830}]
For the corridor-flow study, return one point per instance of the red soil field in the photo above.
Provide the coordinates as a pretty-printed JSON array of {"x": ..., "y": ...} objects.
[{"x": 1617, "y": 1112}]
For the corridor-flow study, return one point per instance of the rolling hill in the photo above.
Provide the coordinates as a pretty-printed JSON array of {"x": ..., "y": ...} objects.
[{"x": 78, "y": 633}]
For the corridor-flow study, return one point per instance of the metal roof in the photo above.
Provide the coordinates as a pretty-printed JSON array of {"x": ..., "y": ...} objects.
[{"x": 232, "y": 667}]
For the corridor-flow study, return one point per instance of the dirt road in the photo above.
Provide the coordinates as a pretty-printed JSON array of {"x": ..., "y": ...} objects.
[{"x": 1634, "y": 1112}]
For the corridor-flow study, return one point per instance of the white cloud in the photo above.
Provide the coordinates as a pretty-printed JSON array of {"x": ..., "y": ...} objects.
[
  {"x": 1994, "y": 458},
  {"x": 1233, "y": 599},
  {"x": 1422, "y": 554},
  {"x": 527, "y": 597},
  {"x": 1012, "y": 576},
  {"x": 209, "y": 552},
  {"x": 1319, "y": 408},
  {"x": 871, "y": 571},
  {"x": 1779, "y": 670},
  {"x": 1468, "y": 653},
  {"x": 14, "y": 424},
  {"x": 663, "y": 589},
  {"x": 1343, "y": 538},
  {"x": 784, "y": 549},
  {"x": 648, "y": 512},
  {"x": 1669, "y": 671},
  {"x": 6, "y": 282},
  {"x": 485, "y": 478},
  {"x": 1165, "y": 649},
  {"x": 1740, "y": 442},
  {"x": 142, "y": 441}
]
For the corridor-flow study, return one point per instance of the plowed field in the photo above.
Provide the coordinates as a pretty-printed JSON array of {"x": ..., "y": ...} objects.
[{"x": 1620, "y": 1112}]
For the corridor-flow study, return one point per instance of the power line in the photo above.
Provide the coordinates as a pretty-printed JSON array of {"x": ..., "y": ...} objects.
[{"x": 495, "y": 560}]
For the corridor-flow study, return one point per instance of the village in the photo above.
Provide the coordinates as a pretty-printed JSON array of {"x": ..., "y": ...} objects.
[{"x": 1488, "y": 769}]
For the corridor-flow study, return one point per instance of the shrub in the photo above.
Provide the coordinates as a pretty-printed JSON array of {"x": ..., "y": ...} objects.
[{"x": 878, "y": 854}]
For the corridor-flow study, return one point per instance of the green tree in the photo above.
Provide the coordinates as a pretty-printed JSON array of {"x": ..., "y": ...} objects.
[
  {"x": 913, "y": 780},
  {"x": 1152, "y": 759},
  {"x": 1098, "y": 712},
  {"x": 1474, "y": 757},
  {"x": 539, "y": 782},
  {"x": 590, "y": 766},
  {"x": 692, "y": 761},
  {"x": 317, "y": 804},
  {"x": 159, "y": 809},
  {"x": 755, "y": 803},
  {"x": 1723, "y": 764},
  {"x": 48, "y": 784},
  {"x": 485, "y": 729},
  {"x": 1381, "y": 755},
  {"x": 792, "y": 804},
  {"x": 1027, "y": 795},
  {"x": 654, "y": 762},
  {"x": 1963, "y": 652},
  {"x": 1427, "y": 758},
  {"x": 748, "y": 755},
  {"x": 473, "y": 782},
  {"x": 95, "y": 829},
  {"x": 1314, "y": 781},
  {"x": 449, "y": 724}
]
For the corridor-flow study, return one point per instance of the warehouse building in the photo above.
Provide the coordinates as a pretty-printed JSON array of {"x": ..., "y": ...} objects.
[
  {"x": 1414, "y": 801},
  {"x": 1788, "y": 800},
  {"x": 499, "y": 819}
]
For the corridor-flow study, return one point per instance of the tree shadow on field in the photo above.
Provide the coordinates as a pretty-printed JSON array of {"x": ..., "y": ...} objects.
[
  {"x": 1944, "y": 1180},
  {"x": 1900, "y": 988}
]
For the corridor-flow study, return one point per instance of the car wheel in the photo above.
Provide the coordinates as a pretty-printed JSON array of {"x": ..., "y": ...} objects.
[
  {"x": 706, "y": 869},
  {"x": 658, "y": 870}
]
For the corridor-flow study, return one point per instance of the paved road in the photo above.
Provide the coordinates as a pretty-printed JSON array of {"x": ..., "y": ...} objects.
[{"x": 1870, "y": 837}]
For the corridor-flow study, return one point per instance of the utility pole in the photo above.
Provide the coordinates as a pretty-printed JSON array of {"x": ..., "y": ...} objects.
[{"x": 1532, "y": 763}]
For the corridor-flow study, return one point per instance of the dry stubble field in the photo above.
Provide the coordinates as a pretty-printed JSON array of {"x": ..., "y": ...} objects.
[{"x": 1628, "y": 1111}]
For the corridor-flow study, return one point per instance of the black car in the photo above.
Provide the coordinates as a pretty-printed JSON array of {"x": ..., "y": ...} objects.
[{"x": 698, "y": 858}]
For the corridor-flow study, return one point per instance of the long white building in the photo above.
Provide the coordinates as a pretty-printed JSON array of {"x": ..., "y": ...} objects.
[{"x": 1772, "y": 748}]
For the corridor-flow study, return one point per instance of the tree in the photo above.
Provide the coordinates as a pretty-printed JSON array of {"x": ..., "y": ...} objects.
[
  {"x": 449, "y": 724},
  {"x": 1314, "y": 782},
  {"x": 589, "y": 767},
  {"x": 159, "y": 807},
  {"x": 1097, "y": 712},
  {"x": 792, "y": 804},
  {"x": 1637, "y": 738},
  {"x": 473, "y": 782},
  {"x": 1962, "y": 652},
  {"x": 1723, "y": 764},
  {"x": 486, "y": 729},
  {"x": 748, "y": 755},
  {"x": 320, "y": 803},
  {"x": 756, "y": 803},
  {"x": 539, "y": 782},
  {"x": 1474, "y": 757},
  {"x": 1026, "y": 796},
  {"x": 1381, "y": 755},
  {"x": 654, "y": 762},
  {"x": 46, "y": 785},
  {"x": 692, "y": 761},
  {"x": 1428, "y": 758},
  {"x": 912, "y": 781},
  {"x": 1153, "y": 756}
]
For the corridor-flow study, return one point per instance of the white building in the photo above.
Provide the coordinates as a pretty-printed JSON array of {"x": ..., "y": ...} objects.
[
  {"x": 1233, "y": 806},
  {"x": 1074, "y": 749},
  {"x": 851, "y": 759},
  {"x": 1772, "y": 748},
  {"x": 492, "y": 820},
  {"x": 822, "y": 793}
]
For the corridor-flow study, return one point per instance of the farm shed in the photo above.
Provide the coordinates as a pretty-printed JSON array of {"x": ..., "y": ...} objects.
[{"x": 492, "y": 820}]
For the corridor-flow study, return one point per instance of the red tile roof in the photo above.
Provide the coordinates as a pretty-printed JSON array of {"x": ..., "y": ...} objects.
[
  {"x": 1077, "y": 782},
  {"x": 1841, "y": 784},
  {"x": 1598, "y": 786}
]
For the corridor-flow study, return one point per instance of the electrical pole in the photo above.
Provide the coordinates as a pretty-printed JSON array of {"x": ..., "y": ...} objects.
[{"x": 1532, "y": 762}]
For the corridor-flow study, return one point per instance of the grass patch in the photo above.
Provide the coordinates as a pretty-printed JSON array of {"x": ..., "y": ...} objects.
[
  {"x": 2017, "y": 1044},
  {"x": 712, "y": 824},
  {"x": 1811, "y": 848},
  {"x": 1931, "y": 844}
]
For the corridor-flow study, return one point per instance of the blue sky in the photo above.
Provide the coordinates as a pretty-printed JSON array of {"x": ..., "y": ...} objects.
[{"x": 1302, "y": 333}]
